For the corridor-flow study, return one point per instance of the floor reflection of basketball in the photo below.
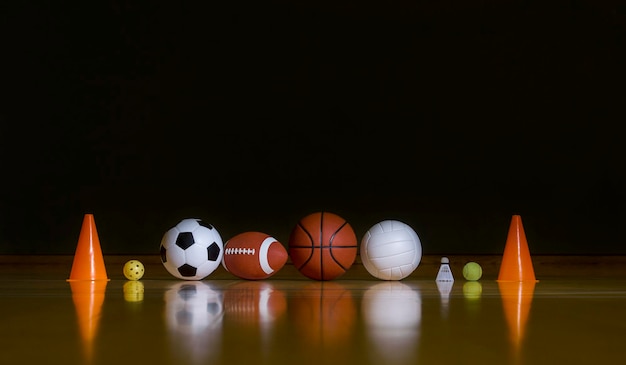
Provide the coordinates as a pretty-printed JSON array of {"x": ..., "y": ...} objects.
[
  {"x": 323, "y": 313},
  {"x": 322, "y": 246}
]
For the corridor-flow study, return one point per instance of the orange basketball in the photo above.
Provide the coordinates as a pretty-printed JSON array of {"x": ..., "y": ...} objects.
[{"x": 322, "y": 246}]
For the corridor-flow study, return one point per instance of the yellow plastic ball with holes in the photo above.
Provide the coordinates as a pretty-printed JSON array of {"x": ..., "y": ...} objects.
[{"x": 133, "y": 270}]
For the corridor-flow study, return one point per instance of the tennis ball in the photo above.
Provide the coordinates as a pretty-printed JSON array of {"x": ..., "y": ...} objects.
[{"x": 472, "y": 271}]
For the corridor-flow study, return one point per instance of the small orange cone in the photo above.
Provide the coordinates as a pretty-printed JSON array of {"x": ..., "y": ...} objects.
[
  {"x": 516, "y": 262},
  {"x": 88, "y": 260}
]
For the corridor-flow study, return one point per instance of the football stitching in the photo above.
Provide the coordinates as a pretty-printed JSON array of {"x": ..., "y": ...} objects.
[
  {"x": 240, "y": 251},
  {"x": 263, "y": 253}
]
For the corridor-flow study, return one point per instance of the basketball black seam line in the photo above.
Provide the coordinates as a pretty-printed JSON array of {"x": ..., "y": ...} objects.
[{"x": 312, "y": 244}]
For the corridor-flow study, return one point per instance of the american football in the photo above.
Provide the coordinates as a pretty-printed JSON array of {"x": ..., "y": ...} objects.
[{"x": 254, "y": 255}]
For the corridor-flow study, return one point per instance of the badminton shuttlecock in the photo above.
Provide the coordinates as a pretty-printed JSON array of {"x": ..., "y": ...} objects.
[{"x": 445, "y": 274}]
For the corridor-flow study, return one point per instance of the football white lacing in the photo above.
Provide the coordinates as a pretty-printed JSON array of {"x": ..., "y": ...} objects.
[{"x": 240, "y": 251}]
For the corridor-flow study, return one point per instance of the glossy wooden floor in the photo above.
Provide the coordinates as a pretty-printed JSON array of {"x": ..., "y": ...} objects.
[{"x": 574, "y": 314}]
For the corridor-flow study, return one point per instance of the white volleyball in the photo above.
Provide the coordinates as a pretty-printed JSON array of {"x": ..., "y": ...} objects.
[{"x": 391, "y": 250}]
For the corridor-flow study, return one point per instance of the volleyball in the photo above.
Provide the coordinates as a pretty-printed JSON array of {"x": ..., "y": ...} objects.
[{"x": 391, "y": 250}]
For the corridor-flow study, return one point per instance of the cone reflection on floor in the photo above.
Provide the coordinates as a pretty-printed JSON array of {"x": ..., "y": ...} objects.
[
  {"x": 516, "y": 262},
  {"x": 516, "y": 301},
  {"x": 88, "y": 296},
  {"x": 88, "y": 260}
]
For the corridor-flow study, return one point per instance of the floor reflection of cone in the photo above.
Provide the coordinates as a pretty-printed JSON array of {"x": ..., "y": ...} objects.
[
  {"x": 516, "y": 301},
  {"x": 88, "y": 297}
]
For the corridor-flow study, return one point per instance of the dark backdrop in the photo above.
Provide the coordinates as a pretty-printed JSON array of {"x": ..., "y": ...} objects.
[{"x": 450, "y": 116}]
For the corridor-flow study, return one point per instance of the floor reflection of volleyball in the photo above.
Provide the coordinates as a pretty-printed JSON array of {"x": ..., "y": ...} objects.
[
  {"x": 391, "y": 250},
  {"x": 324, "y": 314},
  {"x": 192, "y": 306},
  {"x": 392, "y": 312}
]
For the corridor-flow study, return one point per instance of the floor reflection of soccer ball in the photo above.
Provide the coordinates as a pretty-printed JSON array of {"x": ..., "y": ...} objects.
[
  {"x": 192, "y": 307},
  {"x": 191, "y": 250},
  {"x": 391, "y": 250}
]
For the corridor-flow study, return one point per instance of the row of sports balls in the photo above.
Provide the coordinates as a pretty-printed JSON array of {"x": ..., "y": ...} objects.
[{"x": 322, "y": 246}]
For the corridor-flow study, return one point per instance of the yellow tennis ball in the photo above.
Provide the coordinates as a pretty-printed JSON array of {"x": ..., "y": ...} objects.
[
  {"x": 133, "y": 270},
  {"x": 472, "y": 271}
]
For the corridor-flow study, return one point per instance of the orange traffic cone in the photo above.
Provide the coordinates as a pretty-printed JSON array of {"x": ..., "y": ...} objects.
[
  {"x": 88, "y": 260},
  {"x": 516, "y": 262}
]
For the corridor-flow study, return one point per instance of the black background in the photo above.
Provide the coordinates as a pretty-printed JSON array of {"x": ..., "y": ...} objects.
[{"x": 448, "y": 115}]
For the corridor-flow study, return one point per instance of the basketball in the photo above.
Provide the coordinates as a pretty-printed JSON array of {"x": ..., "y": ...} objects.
[
  {"x": 322, "y": 246},
  {"x": 391, "y": 250}
]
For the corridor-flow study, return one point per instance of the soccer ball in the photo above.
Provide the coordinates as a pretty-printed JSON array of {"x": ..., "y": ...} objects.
[
  {"x": 391, "y": 250},
  {"x": 192, "y": 249}
]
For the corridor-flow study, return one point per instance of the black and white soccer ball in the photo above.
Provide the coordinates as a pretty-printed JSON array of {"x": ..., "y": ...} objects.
[{"x": 192, "y": 249}]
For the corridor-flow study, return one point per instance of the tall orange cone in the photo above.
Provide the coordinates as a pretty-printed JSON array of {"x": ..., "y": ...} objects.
[
  {"x": 88, "y": 260},
  {"x": 516, "y": 262}
]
